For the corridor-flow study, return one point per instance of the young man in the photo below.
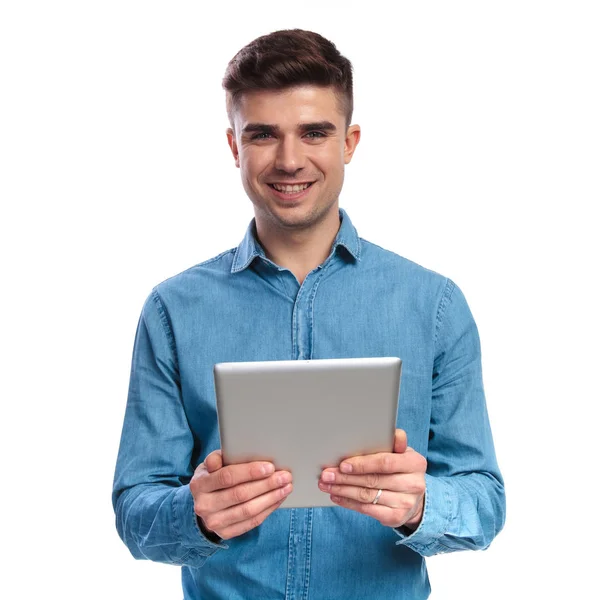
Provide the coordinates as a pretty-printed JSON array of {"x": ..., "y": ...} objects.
[{"x": 303, "y": 285}]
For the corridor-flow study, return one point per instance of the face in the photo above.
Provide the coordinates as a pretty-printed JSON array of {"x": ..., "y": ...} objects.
[{"x": 291, "y": 147}]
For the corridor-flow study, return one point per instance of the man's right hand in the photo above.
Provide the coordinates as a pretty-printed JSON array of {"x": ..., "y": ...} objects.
[{"x": 235, "y": 499}]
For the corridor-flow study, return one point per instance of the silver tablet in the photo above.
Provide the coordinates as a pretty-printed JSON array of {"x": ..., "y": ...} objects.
[{"x": 305, "y": 415}]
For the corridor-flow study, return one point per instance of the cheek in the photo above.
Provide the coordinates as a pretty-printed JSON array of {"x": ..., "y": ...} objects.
[
  {"x": 334, "y": 168},
  {"x": 331, "y": 161},
  {"x": 254, "y": 164}
]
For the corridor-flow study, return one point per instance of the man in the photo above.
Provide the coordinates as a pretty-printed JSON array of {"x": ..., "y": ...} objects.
[{"x": 303, "y": 285}]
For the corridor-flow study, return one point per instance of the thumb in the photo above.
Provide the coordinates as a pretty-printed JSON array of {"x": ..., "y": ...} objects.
[
  {"x": 214, "y": 461},
  {"x": 400, "y": 441}
]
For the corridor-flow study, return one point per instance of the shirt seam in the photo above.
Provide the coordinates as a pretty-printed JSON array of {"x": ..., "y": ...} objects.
[
  {"x": 176, "y": 526},
  {"x": 196, "y": 266},
  {"x": 215, "y": 258},
  {"x": 308, "y": 553},
  {"x": 166, "y": 325},
  {"x": 440, "y": 535},
  {"x": 311, "y": 304},
  {"x": 444, "y": 301},
  {"x": 289, "y": 586},
  {"x": 236, "y": 268}
]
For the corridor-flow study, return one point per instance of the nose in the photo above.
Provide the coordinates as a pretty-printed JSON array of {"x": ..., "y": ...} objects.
[{"x": 290, "y": 155}]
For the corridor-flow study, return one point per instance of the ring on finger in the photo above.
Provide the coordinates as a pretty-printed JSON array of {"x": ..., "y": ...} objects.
[{"x": 377, "y": 496}]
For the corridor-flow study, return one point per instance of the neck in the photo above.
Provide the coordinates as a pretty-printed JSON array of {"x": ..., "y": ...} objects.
[{"x": 299, "y": 250}]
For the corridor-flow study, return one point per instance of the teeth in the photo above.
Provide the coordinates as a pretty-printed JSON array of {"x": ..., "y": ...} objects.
[{"x": 290, "y": 189}]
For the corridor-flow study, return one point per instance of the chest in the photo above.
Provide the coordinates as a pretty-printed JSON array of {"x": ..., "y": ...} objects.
[{"x": 322, "y": 320}]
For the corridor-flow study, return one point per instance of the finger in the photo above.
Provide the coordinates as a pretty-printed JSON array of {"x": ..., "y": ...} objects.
[
  {"x": 400, "y": 441},
  {"x": 221, "y": 521},
  {"x": 214, "y": 461},
  {"x": 245, "y": 526},
  {"x": 399, "y": 500},
  {"x": 408, "y": 483},
  {"x": 382, "y": 462},
  {"x": 244, "y": 492},
  {"x": 233, "y": 475},
  {"x": 354, "y": 492},
  {"x": 385, "y": 462},
  {"x": 390, "y": 517}
]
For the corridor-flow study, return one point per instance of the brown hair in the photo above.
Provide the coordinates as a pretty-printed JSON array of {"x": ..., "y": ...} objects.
[{"x": 287, "y": 58}]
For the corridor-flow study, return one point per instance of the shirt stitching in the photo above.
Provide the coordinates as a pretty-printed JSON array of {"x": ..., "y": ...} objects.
[
  {"x": 289, "y": 588},
  {"x": 215, "y": 258},
  {"x": 312, "y": 308},
  {"x": 308, "y": 552},
  {"x": 166, "y": 325},
  {"x": 445, "y": 300}
]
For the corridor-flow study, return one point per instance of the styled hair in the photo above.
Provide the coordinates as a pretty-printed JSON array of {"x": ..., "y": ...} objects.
[{"x": 287, "y": 58}]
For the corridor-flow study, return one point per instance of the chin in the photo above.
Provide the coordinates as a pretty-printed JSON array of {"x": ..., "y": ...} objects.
[{"x": 299, "y": 217}]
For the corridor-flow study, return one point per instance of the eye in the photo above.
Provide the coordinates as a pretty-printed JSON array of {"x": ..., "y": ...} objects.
[
  {"x": 315, "y": 135},
  {"x": 261, "y": 136}
]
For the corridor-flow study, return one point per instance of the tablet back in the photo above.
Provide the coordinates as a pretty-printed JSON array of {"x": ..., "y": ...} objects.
[{"x": 305, "y": 415}]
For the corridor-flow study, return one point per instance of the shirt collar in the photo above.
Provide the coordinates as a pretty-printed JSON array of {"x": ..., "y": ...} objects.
[{"x": 249, "y": 248}]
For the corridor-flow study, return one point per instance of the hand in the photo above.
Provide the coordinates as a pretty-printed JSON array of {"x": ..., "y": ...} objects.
[
  {"x": 235, "y": 499},
  {"x": 399, "y": 475}
]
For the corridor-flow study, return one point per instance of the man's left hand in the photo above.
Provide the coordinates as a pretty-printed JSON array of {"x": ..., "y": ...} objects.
[{"x": 394, "y": 480}]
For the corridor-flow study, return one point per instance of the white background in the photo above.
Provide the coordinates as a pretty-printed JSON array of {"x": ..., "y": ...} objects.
[{"x": 479, "y": 159}]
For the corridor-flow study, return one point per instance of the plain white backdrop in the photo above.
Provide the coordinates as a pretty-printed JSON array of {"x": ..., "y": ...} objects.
[{"x": 479, "y": 159}]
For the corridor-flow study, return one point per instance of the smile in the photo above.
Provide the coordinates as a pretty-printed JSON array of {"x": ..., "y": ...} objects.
[{"x": 290, "y": 189}]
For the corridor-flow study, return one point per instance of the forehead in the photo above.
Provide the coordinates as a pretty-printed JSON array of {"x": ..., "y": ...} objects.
[{"x": 288, "y": 107}]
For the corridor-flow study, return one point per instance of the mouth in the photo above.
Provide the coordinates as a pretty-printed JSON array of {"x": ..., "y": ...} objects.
[
  {"x": 290, "y": 192},
  {"x": 289, "y": 188}
]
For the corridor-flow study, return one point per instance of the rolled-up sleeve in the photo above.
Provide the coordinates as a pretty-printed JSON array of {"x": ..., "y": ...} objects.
[
  {"x": 464, "y": 500},
  {"x": 151, "y": 496}
]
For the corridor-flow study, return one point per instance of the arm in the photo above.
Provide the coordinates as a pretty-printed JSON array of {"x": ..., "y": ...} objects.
[
  {"x": 157, "y": 495},
  {"x": 455, "y": 499},
  {"x": 151, "y": 496},
  {"x": 464, "y": 500}
]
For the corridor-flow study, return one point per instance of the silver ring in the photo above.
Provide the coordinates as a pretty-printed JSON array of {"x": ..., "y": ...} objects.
[{"x": 376, "y": 499}]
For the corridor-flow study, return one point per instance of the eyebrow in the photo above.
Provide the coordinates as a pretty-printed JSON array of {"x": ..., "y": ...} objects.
[
  {"x": 303, "y": 127},
  {"x": 260, "y": 128},
  {"x": 320, "y": 125}
]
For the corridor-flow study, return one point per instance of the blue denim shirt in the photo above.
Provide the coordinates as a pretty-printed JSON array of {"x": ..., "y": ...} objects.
[{"x": 240, "y": 306}]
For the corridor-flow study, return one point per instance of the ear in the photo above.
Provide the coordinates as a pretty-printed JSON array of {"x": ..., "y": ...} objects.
[
  {"x": 233, "y": 145},
  {"x": 351, "y": 141}
]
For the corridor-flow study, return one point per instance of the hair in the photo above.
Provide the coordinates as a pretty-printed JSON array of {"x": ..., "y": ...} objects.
[{"x": 288, "y": 58}]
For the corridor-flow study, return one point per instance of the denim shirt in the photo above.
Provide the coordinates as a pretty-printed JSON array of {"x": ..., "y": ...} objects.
[{"x": 363, "y": 301}]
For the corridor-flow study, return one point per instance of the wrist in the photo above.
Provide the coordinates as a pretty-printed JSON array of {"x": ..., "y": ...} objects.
[
  {"x": 210, "y": 535},
  {"x": 415, "y": 520}
]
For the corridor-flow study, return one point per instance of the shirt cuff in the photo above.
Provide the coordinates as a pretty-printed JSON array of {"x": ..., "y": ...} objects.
[
  {"x": 186, "y": 525},
  {"x": 440, "y": 508}
]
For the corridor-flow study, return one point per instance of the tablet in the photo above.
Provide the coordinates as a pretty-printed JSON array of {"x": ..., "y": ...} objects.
[{"x": 305, "y": 415}]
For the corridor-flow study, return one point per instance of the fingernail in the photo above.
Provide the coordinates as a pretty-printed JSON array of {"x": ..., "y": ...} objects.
[
  {"x": 346, "y": 468},
  {"x": 325, "y": 486},
  {"x": 287, "y": 489},
  {"x": 328, "y": 476},
  {"x": 284, "y": 478},
  {"x": 335, "y": 498},
  {"x": 267, "y": 468}
]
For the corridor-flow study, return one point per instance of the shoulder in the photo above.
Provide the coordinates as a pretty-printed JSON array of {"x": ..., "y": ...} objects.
[
  {"x": 420, "y": 288},
  {"x": 405, "y": 271},
  {"x": 198, "y": 276}
]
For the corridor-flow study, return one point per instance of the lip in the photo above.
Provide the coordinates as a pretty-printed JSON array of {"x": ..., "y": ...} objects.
[
  {"x": 295, "y": 182},
  {"x": 290, "y": 197}
]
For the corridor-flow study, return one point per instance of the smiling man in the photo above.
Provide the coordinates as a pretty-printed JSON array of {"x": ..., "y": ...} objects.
[
  {"x": 303, "y": 285},
  {"x": 293, "y": 169}
]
